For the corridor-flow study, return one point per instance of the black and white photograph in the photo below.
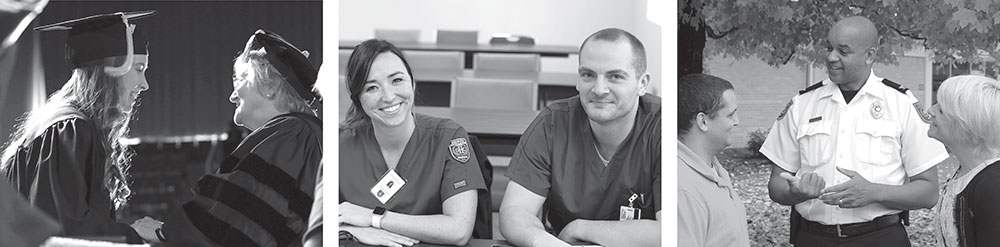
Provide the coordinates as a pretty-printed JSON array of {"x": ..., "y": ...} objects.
[
  {"x": 499, "y": 123},
  {"x": 160, "y": 123},
  {"x": 838, "y": 123}
]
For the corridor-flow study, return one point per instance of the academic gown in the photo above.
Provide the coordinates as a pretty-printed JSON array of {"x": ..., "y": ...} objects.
[
  {"x": 61, "y": 172},
  {"x": 20, "y": 223},
  {"x": 262, "y": 193}
]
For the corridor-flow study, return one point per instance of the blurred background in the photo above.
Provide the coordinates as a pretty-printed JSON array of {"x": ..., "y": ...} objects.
[{"x": 491, "y": 65}]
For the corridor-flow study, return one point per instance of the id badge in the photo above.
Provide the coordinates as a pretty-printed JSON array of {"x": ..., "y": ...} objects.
[
  {"x": 387, "y": 186},
  {"x": 629, "y": 213}
]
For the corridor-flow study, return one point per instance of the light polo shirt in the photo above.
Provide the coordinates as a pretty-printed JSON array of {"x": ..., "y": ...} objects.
[
  {"x": 709, "y": 211},
  {"x": 879, "y": 134}
]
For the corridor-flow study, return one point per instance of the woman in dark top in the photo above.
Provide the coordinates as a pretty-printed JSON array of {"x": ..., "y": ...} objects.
[
  {"x": 966, "y": 120},
  {"x": 263, "y": 192},
  {"x": 65, "y": 157},
  {"x": 405, "y": 177}
]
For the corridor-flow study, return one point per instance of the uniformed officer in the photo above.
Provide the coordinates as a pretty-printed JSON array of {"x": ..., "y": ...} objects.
[
  {"x": 851, "y": 152},
  {"x": 593, "y": 159}
]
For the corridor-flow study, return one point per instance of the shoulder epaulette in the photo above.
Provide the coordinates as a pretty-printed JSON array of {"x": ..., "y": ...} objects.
[
  {"x": 810, "y": 88},
  {"x": 894, "y": 85}
]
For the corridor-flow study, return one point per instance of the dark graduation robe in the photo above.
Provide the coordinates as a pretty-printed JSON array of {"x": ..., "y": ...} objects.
[
  {"x": 61, "y": 171},
  {"x": 262, "y": 193},
  {"x": 20, "y": 223}
]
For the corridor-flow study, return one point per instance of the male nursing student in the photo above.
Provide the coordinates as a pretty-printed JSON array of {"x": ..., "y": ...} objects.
[
  {"x": 592, "y": 159},
  {"x": 709, "y": 211}
]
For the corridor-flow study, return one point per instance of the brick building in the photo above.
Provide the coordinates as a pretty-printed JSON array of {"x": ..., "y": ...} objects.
[{"x": 764, "y": 90}]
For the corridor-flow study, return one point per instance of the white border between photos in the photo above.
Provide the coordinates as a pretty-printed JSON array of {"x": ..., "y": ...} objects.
[
  {"x": 668, "y": 26},
  {"x": 328, "y": 78}
]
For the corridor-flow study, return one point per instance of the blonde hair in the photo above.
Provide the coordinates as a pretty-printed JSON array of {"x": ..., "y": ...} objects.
[
  {"x": 95, "y": 94},
  {"x": 267, "y": 76},
  {"x": 972, "y": 103}
]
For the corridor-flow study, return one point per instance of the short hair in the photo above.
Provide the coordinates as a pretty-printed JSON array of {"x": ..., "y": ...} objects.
[
  {"x": 615, "y": 35},
  {"x": 358, "y": 67},
  {"x": 972, "y": 103},
  {"x": 267, "y": 76},
  {"x": 698, "y": 93}
]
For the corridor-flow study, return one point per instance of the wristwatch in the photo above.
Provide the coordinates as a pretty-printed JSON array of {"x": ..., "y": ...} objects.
[{"x": 377, "y": 215}]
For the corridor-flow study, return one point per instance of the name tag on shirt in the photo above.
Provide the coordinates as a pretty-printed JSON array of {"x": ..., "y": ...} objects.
[
  {"x": 387, "y": 186},
  {"x": 629, "y": 213}
]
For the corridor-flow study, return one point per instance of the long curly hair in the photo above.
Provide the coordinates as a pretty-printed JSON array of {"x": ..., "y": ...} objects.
[{"x": 96, "y": 95}]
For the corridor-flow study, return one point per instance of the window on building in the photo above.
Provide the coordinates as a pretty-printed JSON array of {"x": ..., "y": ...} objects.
[{"x": 944, "y": 70}]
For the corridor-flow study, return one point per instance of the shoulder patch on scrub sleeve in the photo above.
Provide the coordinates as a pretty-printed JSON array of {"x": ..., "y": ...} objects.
[{"x": 459, "y": 149}]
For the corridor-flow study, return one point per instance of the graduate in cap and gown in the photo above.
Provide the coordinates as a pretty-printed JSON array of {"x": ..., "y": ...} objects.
[
  {"x": 65, "y": 157},
  {"x": 263, "y": 192}
]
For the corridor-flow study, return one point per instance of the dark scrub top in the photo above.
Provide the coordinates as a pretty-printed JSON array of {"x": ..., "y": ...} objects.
[
  {"x": 61, "y": 172},
  {"x": 433, "y": 168},
  {"x": 262, "y": 193},
  {"x": 557, "y": 158}
]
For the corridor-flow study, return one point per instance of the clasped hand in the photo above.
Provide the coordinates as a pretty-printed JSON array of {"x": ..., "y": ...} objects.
[
  {"x": 857, "y": 192},
  {"x": 146, "y": 228}
]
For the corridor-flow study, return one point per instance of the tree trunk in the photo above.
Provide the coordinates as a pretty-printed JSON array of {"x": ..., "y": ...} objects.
[{"x": 690, "y": 44}]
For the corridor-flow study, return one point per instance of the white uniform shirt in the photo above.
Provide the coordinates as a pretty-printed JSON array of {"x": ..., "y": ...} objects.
[{"x": 879, "y": 135}]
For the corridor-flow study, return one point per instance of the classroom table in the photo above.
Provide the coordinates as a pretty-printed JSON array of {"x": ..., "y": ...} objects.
[
  {"x": 509, "y": 123},
  {"x": 470, "y": 49},
  {"x": 563, "y": 79},
  {"x": 434, "y": 87},
  {"x": 498, "y": 130}
]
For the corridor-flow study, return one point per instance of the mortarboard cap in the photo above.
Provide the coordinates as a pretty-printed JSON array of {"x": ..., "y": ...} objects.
[
  {"x": 291, "y": 62},
  {"x": 97, "y": 37}
]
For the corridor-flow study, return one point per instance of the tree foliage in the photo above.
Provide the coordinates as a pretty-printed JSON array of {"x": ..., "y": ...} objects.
[{"x": 783, "y": 31}]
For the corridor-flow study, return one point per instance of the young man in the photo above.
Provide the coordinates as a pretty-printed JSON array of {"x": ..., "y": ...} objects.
[
  {"x": 709, "y": 212},
  {"x": 863, "y": 135},
  {"x": 592, "y": 159}
]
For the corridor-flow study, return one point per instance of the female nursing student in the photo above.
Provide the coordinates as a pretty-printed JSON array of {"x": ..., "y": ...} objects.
[
  {"x": 966, "y": 120},
  {"x": 405, "y": 177},
  {"x": 263, "y": 191},
  {"x": 65, "y": 157}
]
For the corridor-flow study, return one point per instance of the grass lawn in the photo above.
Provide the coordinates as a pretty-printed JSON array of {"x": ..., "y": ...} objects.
[{"x": 768, "y": 220}]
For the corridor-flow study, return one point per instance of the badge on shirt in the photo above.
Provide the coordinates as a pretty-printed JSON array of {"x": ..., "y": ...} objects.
[
  {"x": 459, "y": 148},
  {"x": 878, "y": 109},
  {"x": 629, "y": 212},
  {"x": 387, "y": 186}
]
